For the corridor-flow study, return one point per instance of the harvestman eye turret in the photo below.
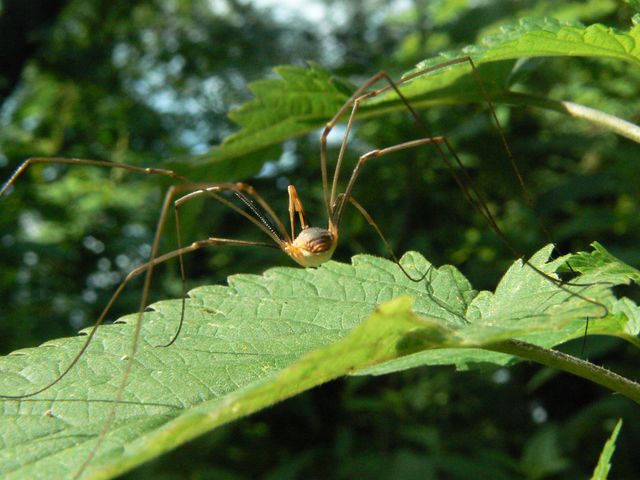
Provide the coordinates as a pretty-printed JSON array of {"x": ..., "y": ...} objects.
[{"x": 312, "y": 246}]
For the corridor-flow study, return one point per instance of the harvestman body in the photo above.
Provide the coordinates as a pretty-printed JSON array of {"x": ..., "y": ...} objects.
[{"x": 312, "y": 246}]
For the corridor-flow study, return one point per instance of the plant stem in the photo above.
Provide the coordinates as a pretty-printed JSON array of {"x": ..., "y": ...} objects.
[
  {"x": 567, "y": 363},
  {"x": 597, "y": 117}
]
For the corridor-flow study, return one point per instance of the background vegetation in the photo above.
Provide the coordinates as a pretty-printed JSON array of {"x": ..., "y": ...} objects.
[{"x": 151, "y": 82}]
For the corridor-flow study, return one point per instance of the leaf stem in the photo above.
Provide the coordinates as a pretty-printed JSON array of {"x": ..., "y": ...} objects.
[
  {"x": 567, "y": 363},
  {"x": 610, "y": 122}
]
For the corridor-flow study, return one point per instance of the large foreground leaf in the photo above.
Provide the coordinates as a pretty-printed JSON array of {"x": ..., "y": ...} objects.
[
  {"x": 265, "y": 338},
  {"x": 303, "y": 99}
]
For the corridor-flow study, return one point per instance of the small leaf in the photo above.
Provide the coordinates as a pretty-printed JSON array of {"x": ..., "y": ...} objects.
[
  {"x": 601, "y": 471},
  {"x": 624, "y": 315},
  {"x": 602, "y": 265}
]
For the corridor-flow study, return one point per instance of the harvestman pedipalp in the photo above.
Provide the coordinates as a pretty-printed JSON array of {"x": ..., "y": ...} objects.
[{"x": 312, "y": 246}]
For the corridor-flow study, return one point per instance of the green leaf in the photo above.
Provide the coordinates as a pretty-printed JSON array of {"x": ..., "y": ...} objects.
[
  {"x": 302, "y": 100},
  {"x": 263, "y": 339},
  {"x": 601, "y": 471},
  {"x": 634, "y": 4},
  {"x": 600, "y": 265},
  {"x": 531, "y": 37},
  {"x": 299, "y": 101},
  {"x": 542, "y": 456},
  {"x": 549, "y": 37}
]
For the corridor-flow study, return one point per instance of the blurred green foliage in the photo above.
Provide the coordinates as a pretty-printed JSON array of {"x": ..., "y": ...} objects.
[{"x": 151, "y": 81}]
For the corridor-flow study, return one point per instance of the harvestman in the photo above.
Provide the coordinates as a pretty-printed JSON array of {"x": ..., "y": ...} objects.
[{"x": 312, "y": 246}]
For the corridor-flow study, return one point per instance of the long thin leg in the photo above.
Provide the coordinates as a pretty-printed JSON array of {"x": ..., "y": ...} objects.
[
  {"x": 245, "y": 193},
  {"x": 339, "y": 206},
  {"x": 81, "y": 161},
  {"x": 327, "y": 129},
  {"x": 101, "y": 163},
  {"x": 335, "y": 208},
  {"x": 358, "y": 96},
  {"x": 372, "y": 222},
  {"x": 154, "y": 258},
  {"x": 492, "y": 111},
  {"x": 343, "y": 148},
  {"x": 168, "y": 197},
  {"x": 241, "y": 189},
  {"x": 212, "y": 191},
  {"x": 479, "y": 203},
  {"x": 367, "y": 216},
  {"x": 145, "y": 268},
  {"x": 183, "y": 278},
  {"x": 148, "y": 268}
]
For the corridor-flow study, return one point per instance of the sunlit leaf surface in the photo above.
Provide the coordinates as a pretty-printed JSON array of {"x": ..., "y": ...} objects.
[{"x": 264, "y": 338}]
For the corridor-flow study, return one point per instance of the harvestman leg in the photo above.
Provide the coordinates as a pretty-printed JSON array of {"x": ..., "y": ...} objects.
[
  {"x": 246, "y": 193},
  {"x": 480, "y": 205},
  {"x": 243, "y": 191},
  {"x": 81, "y": 161},
  {"x": 78, "y": 161},
  {"x": 239, "y": 189},
  {"x": 367, "y": 216},
  {"x": 361, "y": 95},
  {"x": 157, "y": 236},
  {"x": 487, "y": 98},
  {"x": 147, "y": 267},
  {"x": 340, "y": 200},
  {"x": 374, "y": 225},
  {"x": 208, "y": 189},
  {"x": 466, "y": 186}
]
